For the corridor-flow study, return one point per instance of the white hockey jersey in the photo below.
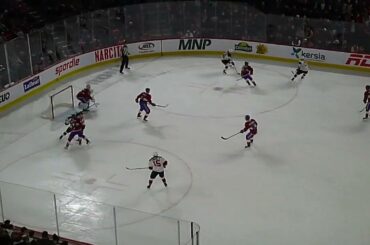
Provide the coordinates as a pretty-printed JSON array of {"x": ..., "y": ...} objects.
[
  {"x": 158, "y": 163},
  {"x": 226, "y": 57},
  {"x": 303, "y": 66}
]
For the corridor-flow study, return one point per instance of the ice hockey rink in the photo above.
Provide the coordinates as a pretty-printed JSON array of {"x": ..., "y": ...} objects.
[{"x": 304, "y": 181}]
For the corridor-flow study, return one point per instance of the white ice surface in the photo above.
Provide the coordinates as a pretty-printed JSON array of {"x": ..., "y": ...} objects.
[{"x": 305, "y": 180}]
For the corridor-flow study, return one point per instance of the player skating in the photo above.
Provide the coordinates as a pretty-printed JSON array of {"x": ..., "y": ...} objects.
[
  {"x": 302, "y": 69},
  {"x": 78, "y": 126},
  {"x": 250, "y": 125},
  {"x": 226, "y": 59},
  {"x": 143, "y": 99},
  {"x": 85, "y": 97},
  {"x": 246, "y": 74},
  {"x": 157, "y": 164},
  {"x": 366, "y": 101},
  {"x": 68, "y": 122}
]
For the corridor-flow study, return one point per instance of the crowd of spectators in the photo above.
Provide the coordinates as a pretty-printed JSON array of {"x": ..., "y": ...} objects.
[
  {"x": 24, "y": 15},
  {"x": 11, "y": 235},
  {"x": 60, "y": 29}
]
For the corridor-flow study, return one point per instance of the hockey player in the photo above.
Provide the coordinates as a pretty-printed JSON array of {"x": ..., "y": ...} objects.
[
  {"x": 68, "y": 122},
  {"x": 78, "y": 127},
  {"x": 247, "y": 72},
  {"x": 250, "y": 126},
  {"x": 80, "y": 118},
  {"x": 85, "y": 97},
  {"x": 302, "y": 69},
  {"x": 143, "y": 99},
  {"x": 227, "y": 61},
  {"x": 157, "y": 164},
  {"x": 366, "y": 101}
]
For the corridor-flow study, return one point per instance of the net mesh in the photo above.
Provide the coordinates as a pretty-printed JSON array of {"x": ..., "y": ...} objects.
[{"x": 61, "y": 104}]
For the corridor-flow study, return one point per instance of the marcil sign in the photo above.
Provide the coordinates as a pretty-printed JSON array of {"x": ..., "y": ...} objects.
[{"x": 108, "y": 53}]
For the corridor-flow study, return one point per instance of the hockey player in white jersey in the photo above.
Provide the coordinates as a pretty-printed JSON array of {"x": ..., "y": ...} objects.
[
  {"x": 226, "y": 59},
  {"x": 301, "y": 70},
  {"x": 157, "y": 164}
]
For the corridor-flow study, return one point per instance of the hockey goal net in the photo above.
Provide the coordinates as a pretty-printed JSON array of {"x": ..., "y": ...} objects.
[{"x": 61, "y": 103}]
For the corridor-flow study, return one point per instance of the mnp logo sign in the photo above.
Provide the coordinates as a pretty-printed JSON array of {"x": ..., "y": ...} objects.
[
  {"x": 194, "y": 44},
  {"x": 359, "y": 60},
  {"x": 299, "y": 53}
]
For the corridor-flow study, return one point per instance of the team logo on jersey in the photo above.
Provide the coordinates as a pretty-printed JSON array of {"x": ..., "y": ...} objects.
[
  {"x": 299, "y": 53},
  {"x": 243, "y": 46},
  {"x": 262, "y": 49},
  {"x": 33, "y": 83},
  {"x": 146, "y": 47},
  {"x": 4, "y": 97}
]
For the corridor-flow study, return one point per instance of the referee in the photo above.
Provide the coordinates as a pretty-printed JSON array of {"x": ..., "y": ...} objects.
[{"x": 125, "y": 53}]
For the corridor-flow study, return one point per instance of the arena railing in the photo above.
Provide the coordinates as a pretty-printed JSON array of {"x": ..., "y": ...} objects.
[
  {"x": 35, "y": 51},
  {"x": 88, "y": 221}
]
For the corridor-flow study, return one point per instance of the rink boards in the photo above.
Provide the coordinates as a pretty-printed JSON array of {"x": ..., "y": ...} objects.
[{"x": 192, "y": 46}]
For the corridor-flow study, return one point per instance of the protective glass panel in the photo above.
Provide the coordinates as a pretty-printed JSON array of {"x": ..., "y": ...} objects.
[
  {"x": 28, "y": 207},
  {"x": 137, "y": 228},
  {"x": 85, "y": 220},
  {"x": 19, "y": 59},
  {"x": 3, "y": 68}
]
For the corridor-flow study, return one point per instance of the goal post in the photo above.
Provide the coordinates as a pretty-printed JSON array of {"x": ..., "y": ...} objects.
[
  {"x": 63, "y": 97},
  {"x": 61, "y": 101}
]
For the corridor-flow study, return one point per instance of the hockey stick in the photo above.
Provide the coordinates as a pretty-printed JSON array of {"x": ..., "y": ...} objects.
[
  {"x": 363, "y": 109},
  {"x": 226, "y": 138},
  {"x": 94, "y": 104},
  {"x": 236, "y": 70},
  {"x": 136, "y": 168},
  {"x": 163, "y": 106}
]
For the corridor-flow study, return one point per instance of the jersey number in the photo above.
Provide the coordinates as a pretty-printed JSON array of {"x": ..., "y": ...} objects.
[{"x": 157, "y": 163}]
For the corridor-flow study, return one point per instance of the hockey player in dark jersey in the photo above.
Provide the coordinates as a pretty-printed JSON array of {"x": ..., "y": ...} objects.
[
  {"x": 144, "y": 99},
  {"x": 69, "y": 121},
  {"x": 250, "y": 126},
  {"x": 246, "y": 73}
]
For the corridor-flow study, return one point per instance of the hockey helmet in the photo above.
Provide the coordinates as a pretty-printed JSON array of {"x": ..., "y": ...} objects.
[
  {"x": 247, "y": 117},
  {"x": 155, "y": 154},
  {"x": 367, "y": 87},
  {"x": 246, "y": 63},
  {"x": 147, "y": 90}
]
